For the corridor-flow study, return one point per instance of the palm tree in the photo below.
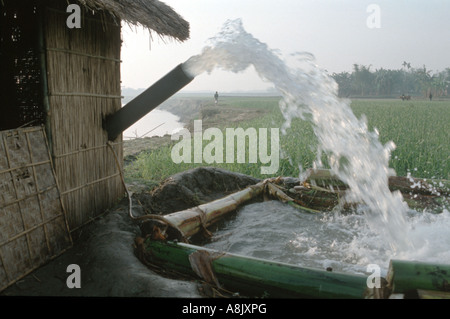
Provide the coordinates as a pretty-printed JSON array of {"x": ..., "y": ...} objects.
[
  {"x": 439, "y": 84},
  {"x": 406, "y": 65},
  {"x": 344, "y": 81},
  {"x": 363, "y": 79},
  {"x": 425, "y": 80},
  {"x": 383, "y": 81}
]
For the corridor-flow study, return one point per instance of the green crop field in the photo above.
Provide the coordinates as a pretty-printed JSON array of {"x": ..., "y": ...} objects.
[{"x": 419, "y": 128}]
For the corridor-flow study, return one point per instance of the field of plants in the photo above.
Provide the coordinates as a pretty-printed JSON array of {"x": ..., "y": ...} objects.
[{"x": 419, "y": 128}]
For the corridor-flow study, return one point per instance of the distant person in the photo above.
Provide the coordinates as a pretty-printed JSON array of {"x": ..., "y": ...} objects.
[
  {"x": 216, "y": 98},
  {"x": 431, "y": 96}
]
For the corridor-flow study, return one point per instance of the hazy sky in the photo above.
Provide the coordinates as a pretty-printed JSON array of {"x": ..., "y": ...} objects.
[{"x": 338, "y": 33}]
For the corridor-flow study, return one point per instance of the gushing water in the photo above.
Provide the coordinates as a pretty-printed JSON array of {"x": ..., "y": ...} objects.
[
  {"x": 345, "y": 242},
  {"x": 355, "y": 154}
]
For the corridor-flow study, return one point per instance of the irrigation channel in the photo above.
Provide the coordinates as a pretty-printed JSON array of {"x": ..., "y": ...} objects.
[{"x": 381, "y": 226}]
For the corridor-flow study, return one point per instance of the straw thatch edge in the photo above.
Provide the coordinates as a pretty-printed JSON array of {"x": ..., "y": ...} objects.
[{"x": 152, "y": 14}]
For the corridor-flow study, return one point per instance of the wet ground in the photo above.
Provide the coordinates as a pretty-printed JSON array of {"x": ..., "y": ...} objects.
[
  {"x": 104, "y": 249},
  {"x": 108, "y": 266}
]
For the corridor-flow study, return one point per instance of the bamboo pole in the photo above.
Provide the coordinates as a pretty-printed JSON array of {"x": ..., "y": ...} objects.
[
  {"x": 256, "y": 277},
  {"x": 43, "y": 70},
  {"x": 193, "y": 220},
  {"x": 189, "y": 222},
  {"x": 276, "y": 192},
  {"x": 305, "y": 197},
  {"x": 406, "y": 276},
  {"x": 427, "y": 294},
  {"x": 323, "y": 178},
  {"x": 418, "y": 193}
]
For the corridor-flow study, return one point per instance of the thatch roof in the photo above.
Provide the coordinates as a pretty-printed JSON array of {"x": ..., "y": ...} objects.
[{"x": 152, "y": 14}]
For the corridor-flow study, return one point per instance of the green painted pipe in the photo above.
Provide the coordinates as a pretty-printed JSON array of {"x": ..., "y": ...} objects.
[{"x": 255, "y": 277}]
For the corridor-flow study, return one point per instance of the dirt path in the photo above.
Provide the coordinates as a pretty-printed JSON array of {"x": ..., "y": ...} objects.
[{"x": 108, "y": 266}]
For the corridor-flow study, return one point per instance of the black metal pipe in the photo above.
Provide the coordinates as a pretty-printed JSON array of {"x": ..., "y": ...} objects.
[{"x": 145, "y": 102}]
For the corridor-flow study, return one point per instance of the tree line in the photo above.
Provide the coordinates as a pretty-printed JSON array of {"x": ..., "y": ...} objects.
[{"x": 364, "y": 82}]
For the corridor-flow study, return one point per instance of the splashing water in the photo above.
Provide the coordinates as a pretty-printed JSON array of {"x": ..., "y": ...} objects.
[
  {"x": 355, "y": 154},
  {"x": 345, "y": 242}
]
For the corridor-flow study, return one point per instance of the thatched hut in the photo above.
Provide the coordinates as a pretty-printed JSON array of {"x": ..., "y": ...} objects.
[{"x": 57, "y": 170}]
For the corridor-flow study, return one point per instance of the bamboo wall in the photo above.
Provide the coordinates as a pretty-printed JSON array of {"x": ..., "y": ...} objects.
[
  {"x": 33, "y": 227},
  {"x": 83, "y": 74}
]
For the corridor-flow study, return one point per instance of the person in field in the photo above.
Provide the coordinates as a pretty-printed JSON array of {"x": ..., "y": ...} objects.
[{"x": 216, "y": 98}]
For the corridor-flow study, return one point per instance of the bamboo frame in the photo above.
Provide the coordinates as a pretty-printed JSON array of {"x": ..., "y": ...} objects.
[
  {"x": 29, "y": 195},
  {"x": 89, "y": 184},
  {"x": 87, "y": 149},
  {"x": 165, "y": 245},
  {"x": 184, "y": 224},
  {"x": 24, "y": 166},
  {"x": 44, "y": 80},
  {"x": 99, "y": 57},
  {"x": 81, "y": 94},
  {"x": 18, "y": 253}
]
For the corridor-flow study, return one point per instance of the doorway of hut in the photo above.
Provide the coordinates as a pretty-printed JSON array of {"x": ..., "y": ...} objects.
[{"x": 21, "y": 84}]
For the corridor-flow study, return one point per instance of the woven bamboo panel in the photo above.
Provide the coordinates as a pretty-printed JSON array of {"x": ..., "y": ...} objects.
[
  {"x": 83, "y": 71},
  {"x": 33, "y": 226}
]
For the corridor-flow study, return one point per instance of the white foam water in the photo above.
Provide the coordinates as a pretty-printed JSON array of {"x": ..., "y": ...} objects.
[
  {"x": 344, "y": 242},
  {"x": 355, "y": 154}
]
